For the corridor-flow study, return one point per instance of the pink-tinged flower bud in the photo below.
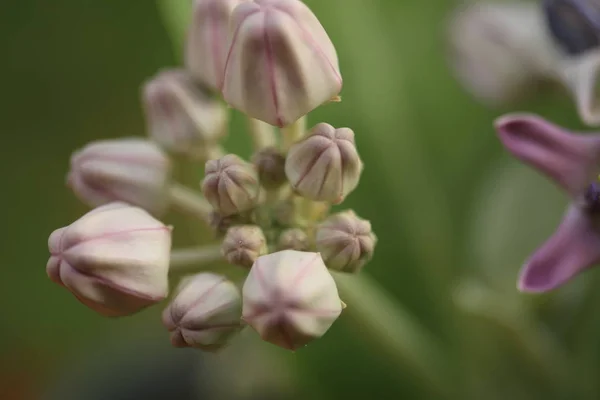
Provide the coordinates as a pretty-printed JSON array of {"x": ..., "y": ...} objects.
[
  {"x": 293, "y": 239},
  {"x": 281, "y": 62},
  {"x": 325, "y": 166},
  {"x": 270, "y": 164},
  {"x": 346, "y": 241},
  {"x": 207, "y": 41},
  {"x": 231, "y": 185},
  {"x": 181, "y": 115},
  {"x": 114, "y": 259},
  {"x": 131, "y": 170},
  {"x": 290, "y": 298},
  {"x": 243, "y": 244},
  {"x": 205, "y": 312}
]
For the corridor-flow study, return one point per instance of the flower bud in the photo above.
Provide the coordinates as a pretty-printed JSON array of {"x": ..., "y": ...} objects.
[
  {"x": 231, "y": 185},
  {"x": 500, "y": 51},
  {"x": 345, "y": 241},
  {"x": 182, "y": 116},
  {"x": 325, "y": 166},
  {"x": 281, "y": 62},
  {"x": 290, "y": 298},
  {"x": 114, "y": 259},
  {"x": 221, "y": 224},
  {"x": 270, "y": 164},
  {"x": 293, "y": 239},
  {"x": 207, "y": 41},
  {"x": 204, "y": 313},
  {"x": 131, "y": 170},
  {"x": 285, "y": 213},
  {"x": 243, "y": 244}
]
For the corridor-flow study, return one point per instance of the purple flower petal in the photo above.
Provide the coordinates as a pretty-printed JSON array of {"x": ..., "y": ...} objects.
[
  {"x": 571, "y": 160},
  {"x": 574, "y": 247}
]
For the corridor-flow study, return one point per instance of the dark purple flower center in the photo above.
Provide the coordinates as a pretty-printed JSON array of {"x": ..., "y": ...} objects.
[{"x": 592, "y": 197}]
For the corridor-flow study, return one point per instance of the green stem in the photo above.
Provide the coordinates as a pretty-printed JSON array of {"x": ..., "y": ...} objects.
[
  {"x": 584, "y": 338},
  {"x": 292, "y": 133},
  {"x": 263, "y": 134},
  {"x": 189, "y": 201},
  {"x": 215, "y": 152},
  {"x": 393, "y": 331},
  {"x": 190, "y": 259}
]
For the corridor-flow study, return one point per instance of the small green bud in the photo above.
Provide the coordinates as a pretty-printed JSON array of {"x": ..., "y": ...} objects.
[
  {"x": 284, "y": 212},
  {"x": 345, "y": 241},
  {"x": 221, "y": 224},
  {"x": 293, "y": 239},
  {"x": 270, "y": 164},
  {"x": 243, "y": 244}
]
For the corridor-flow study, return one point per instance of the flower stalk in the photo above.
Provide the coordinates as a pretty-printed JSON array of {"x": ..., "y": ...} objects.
[
  {"x": 263, "y": 134},
  {"x": 194, "y": 259},
  {"x": 214, "y": 152},
  {"x": 189, "y": 202},
  {"x": 292, "y": 133},
  {"x": 393, "y": 331}
]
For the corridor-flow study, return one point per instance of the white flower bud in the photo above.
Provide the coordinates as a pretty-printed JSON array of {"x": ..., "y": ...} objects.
[
  {"x": 231, "y": 185},
  {"x": 325, "y": 165},
  {"x": 290, "y": 298},
  {"x": 207, "y": 41},
  {"x": 114, "y": 259},
  {"x": 205, "y": 312},
  {"x": 345, "y": 241},
  {"x": 131, "y": 170},
  {"x": 181, "y": 115},
  {"x": 243, "y": 244},
  {"x": 499, "y": 51},
  {"x": 281, "y": 62}
]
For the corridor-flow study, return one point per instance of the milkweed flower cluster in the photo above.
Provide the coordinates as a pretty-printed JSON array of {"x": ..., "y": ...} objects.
[{"x": 273, "y": 61}]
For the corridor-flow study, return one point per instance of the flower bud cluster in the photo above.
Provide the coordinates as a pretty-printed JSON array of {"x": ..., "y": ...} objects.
[{"x": 273, "y": 61}]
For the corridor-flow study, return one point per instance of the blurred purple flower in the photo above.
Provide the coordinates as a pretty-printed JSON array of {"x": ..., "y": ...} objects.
[
  {"x": 572, "y": 161},
  {"x": 574, "y": 24}
]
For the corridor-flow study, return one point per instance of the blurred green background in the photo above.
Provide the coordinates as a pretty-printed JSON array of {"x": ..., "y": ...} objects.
[{"x": 455, "y": 217}]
